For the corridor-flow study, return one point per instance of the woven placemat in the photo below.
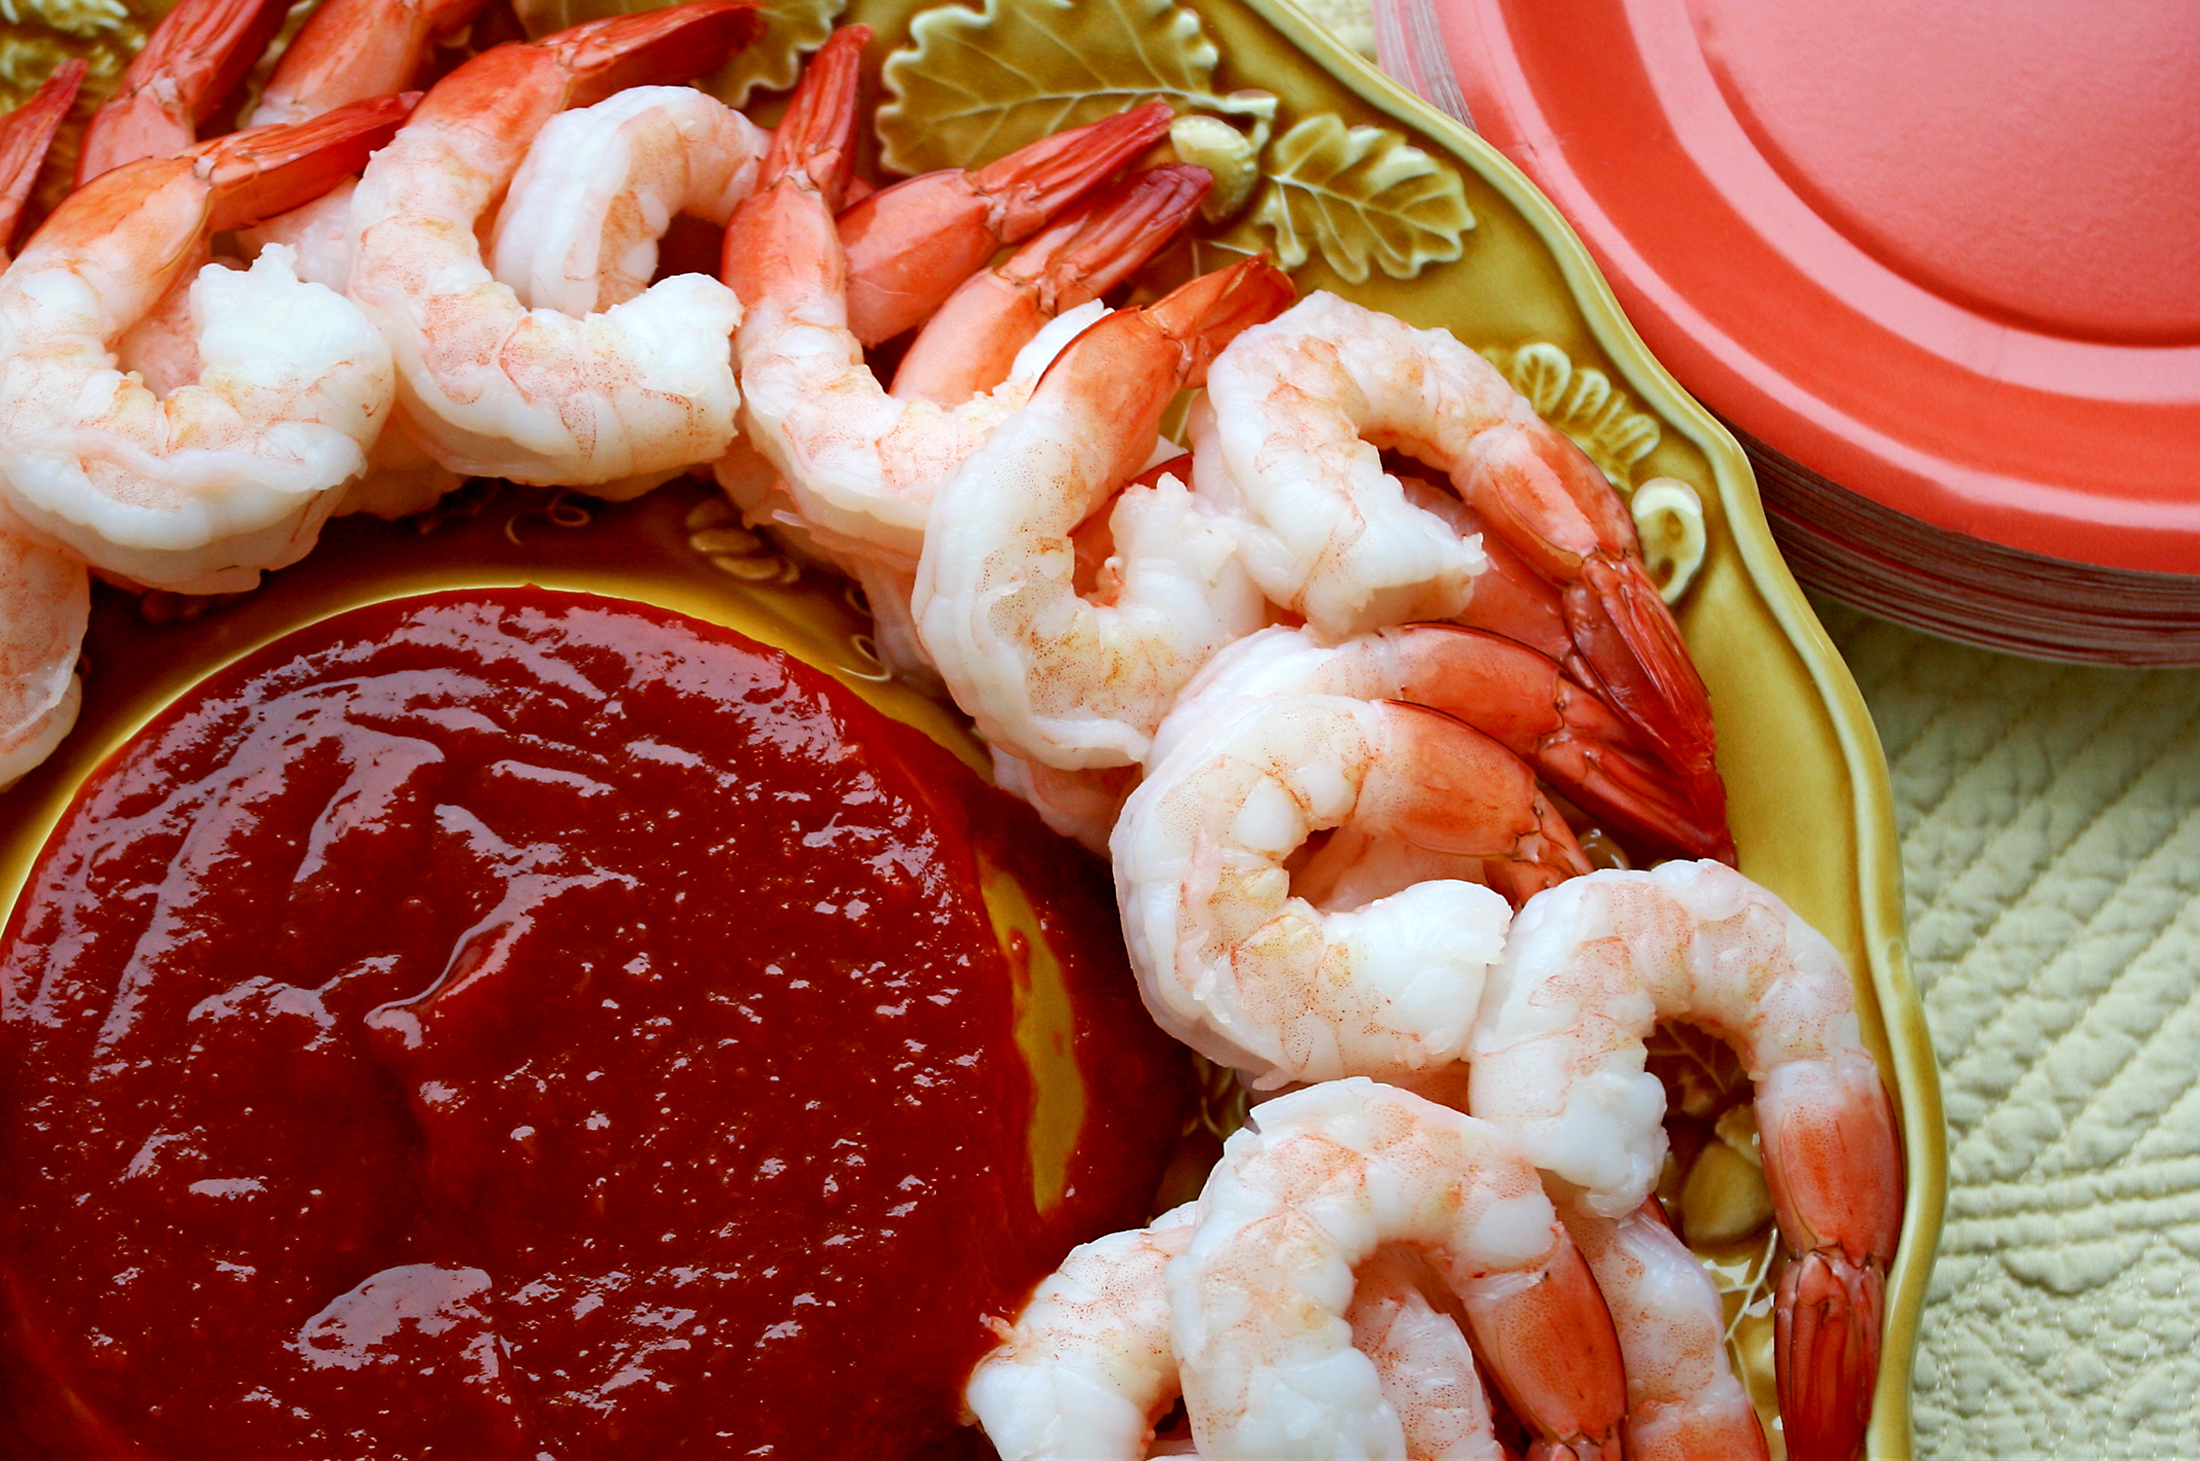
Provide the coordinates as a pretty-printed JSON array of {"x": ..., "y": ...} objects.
[{"x": 2050, "y": 823}]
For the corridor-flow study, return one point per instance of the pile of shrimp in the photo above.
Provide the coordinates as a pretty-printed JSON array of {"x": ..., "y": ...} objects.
[{"x": 1338, "y": 692}]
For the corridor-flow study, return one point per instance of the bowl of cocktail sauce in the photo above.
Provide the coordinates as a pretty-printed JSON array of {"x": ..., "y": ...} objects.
[{"x": 508, "y": 990}]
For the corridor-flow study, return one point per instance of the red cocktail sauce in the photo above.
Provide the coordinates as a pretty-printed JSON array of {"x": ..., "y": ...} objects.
[{"x": 513, "y": 1023}]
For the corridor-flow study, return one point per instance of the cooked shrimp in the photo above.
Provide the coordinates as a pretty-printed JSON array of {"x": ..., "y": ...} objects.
[
  {"x": 887, "y": 579},
  {"x": 1080, "y": 805},
  {"x": 910, "y": 245},
  {"x": 601, "y": 184},
  {"x": 1353, "y": 868},
  {"x": 1044, "y": 672},
  {"x": 1509, "y": 597},
  {"x": 45, "y": 601},
  {"x": 1422, "y": 1361},
  {"x": 493, "y": 389},
  {"x": 200, "y": 490},
  {"x": 1503, "y": 689},
  {"x": 1089, "y": 1366},
  {"x": 346, "y": 51},
  {"x": 194, "y": 60},
  {"x": 1319, "y": 1181},
  {"x": 200, "y": 53},
  {"x": 970, "y": 342},
  {"x": 993, "y": 338},
  {"x": 25, "y": 134},
  {"x": 1300, "y": 408},
  {"x": 349, "y": 50},
  {"x": 860, "y": 464},
  {"x": 1236, "y": 965},
  {"x": 1683, "y": 1401},
  {"x": 45, "y": 592},
  {"x": 1591, "y": 967}
]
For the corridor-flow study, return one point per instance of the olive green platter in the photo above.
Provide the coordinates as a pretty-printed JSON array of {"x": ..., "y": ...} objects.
[{"x": 1356, "y": 187}]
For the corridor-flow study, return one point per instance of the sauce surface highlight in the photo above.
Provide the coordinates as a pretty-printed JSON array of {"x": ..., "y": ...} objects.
[{"x": 512, "y": 1023}]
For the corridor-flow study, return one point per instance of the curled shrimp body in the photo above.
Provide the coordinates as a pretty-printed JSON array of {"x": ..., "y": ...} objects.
[
  {"x": 1300, "y": 407},
  {"x": 993, "y": 338},
  {"x": 347, "y": 51},
  {"x": 1089, "y": 1365},
  {"x": 45, "y": 601},
  {"x": 495, "y": 389},
  {"x": 45, "y": 592},
  {"x": 1315, "y": 1186},
  {"x": 1423, "y": 1364},
  {"x": 1046, "y": 673},
  {"x": 199, "y": 490},
  {"x": 25, "y": 135},
  {"x": 859, "y": 464},
  {"x": 1087, "y": 1368},
  {"x": 1590, "y": 968},
  {"x": 578, "y": 233},
  {"x": 1234, "y": 963}
]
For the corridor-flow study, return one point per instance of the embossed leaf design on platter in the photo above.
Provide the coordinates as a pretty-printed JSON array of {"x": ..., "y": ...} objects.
[
  {"x": 1585, "y": 405},
  {"x": 974, "y": 84},
  {"x": 792, "y": 29},
  {"x": 1361, "y": 195}
]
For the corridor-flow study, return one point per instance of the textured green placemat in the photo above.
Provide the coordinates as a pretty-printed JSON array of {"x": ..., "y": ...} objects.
[{"x": 2050, "y": 822}]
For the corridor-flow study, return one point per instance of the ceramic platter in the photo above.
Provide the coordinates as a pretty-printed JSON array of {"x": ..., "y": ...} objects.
[{"x": 1356, "y": 187}]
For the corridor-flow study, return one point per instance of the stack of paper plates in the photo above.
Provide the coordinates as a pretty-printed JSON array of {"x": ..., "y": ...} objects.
[{"x": 1938, "y": 266}]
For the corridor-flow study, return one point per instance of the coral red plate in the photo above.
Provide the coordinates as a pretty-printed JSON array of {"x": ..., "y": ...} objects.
[{"x": 1947, "y": 258}]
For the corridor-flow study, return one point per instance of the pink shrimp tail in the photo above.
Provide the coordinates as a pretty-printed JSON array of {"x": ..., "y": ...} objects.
[
  {"x": 195, "y": 59},
  {"x": 1512, "y": 599},
  {"x": 1032, "y": 183},
  {"x": 262, "y": 171},
  {"x": 1826, "y": 1342},
  {"x": 1520, "y": 696},
  {"x": 652, "y": 47},
  {"x": 350, "y": 50},
  {"x": 508, "y": 93},
  {"x": 816, "y": 139},
  {"x": 910, "y": 245},
  {"x": 1551, "y": 1348},
  {"x": 1635, "y": 793},
  {"x": 1214, "y": 309},
  {"x": 1628, "y": 638},
  {"x": 970, "y": 344},
  {"x": 1833, "y": 1161},
  {"x": 1467, "y": 795},
  {"x": 1549, "y": 502},
  {"x": 785, "y": 228},
  {"x": 1096, "y": 248},
  {"x": 25, "y": 134}
]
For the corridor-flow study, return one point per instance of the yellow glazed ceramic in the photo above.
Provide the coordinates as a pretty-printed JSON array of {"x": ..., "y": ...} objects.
[{"x": 1358, "y": 188}]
